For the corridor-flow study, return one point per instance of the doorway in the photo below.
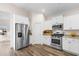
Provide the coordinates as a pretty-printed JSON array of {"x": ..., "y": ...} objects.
[{"x": 4, "y": 33}]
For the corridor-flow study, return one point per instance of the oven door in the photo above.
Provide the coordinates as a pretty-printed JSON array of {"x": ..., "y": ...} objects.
[{"x": 55, "y": 41}]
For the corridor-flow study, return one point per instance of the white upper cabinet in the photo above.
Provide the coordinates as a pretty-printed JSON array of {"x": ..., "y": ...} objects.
[
  {"x": 58, "y": 20},
  {"x": 71, "y": 22}
]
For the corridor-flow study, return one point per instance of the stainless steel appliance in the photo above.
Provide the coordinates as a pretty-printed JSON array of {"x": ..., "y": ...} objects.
[
  {"x": 21, "y": 36},
  {"x": 56, "y": 40}
]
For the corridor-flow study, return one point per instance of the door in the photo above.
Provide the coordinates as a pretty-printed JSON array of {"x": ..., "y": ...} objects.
[
  {"x": 18, "y": 36},
  {"x": 25, "y": 35}
]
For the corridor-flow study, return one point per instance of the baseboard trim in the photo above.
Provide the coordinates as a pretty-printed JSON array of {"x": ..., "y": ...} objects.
[{"x": 74, "y": 54}]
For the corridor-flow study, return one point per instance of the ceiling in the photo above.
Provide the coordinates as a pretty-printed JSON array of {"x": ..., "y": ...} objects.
[{"x": 50, "y": 8}]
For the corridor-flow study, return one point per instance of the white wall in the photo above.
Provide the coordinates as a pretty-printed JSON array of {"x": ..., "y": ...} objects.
[{"x": 36, "y": 26}]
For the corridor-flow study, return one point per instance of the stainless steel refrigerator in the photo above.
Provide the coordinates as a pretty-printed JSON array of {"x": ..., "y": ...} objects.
[{"x": 21, "y": 36}]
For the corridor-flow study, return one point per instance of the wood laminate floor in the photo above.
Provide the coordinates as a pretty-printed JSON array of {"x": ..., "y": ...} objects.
[
  {"x": 40, "y": 50},
  {"x": 31, "y": 50}
]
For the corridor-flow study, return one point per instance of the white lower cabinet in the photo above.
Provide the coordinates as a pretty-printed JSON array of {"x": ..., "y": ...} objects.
[
  {"x": 75, "y": 46},
  {"x": 47, "y": 40},
  {"x": 71, "y": 45}
]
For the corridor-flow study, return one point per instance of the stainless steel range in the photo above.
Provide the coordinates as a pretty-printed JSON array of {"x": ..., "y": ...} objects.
[{"x": 56, "y": 39}]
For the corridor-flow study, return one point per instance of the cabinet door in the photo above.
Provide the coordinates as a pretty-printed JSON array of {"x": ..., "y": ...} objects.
[
  {"x": 71, "y": 45},
  {"x": 47, "y": 40},
  {"x": 75, "y": 21},
  {"x": 59, "y": 19},
  {"x": 66, "y": 44},
  {"x": 71, "y": 22},
  {"x": 67, "y": 23},
  {"x": 75, "y": 46}
]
